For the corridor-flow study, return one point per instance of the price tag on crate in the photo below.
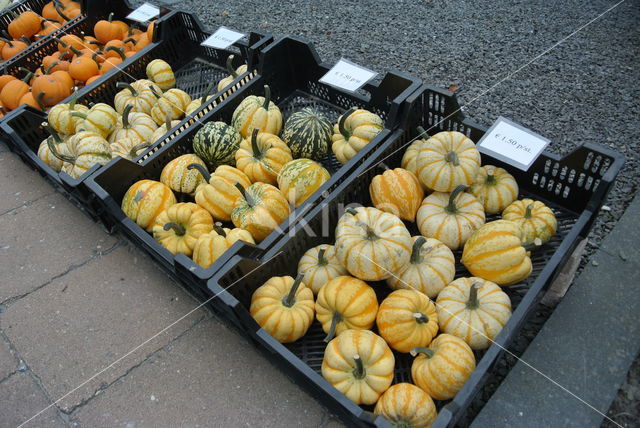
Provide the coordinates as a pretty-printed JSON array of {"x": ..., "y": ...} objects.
[
  {"x": 223, "y": 38},
  {"x": 144, "y": 13},
  {"x": 347, "y": 75},
  {"x": 512, "y": 143}
]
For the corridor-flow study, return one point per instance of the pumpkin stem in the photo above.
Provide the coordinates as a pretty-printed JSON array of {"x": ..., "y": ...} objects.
[
  {"x": 177, "y": 228},
  {"x": 125, "y": 116},
  {"x": 218, "y": 226},
  {"x": 451, "y": 207},
  {"x": 491, "y": 180},
  {"x": 127, "y": 86},
  {"x": 118, "y": 50},
  {"x": 54, "y": 151},
  {"x": 267, "y": 97},
  {"x": 14, "y": 14},
  {"x": 75, "y": 51},
  {"x": 420, "y": 317},
  {"x": 351, "y": 211},
  {"x": 384, "y": 166},
  {"x": 167, "y": 122},
  {"x": 72, "y": 103},
  {"x": 230, "y": 68},
  {"x": 359, "y": 372},
  {"x": 528, "y": 211},
  {"x": 371, "y": 234},
  {"x": 257, "y": 153},
  {"x": 54, "y": 134},
  {"x": 428, "y": 352},
  {"x": 110, "y": 18},
  {"x": 25, "y": 39},
  {"x": 130, "y": 40},
  {"x": 415, "y": 251},
  {"x": 322, "y": 261},
  {"x": 290, "y": 298},
  {"x": 79, "y": 114},
  {"x": 532, "y": 245},
  {"x": 207, "y": 92},
  {"x": 421, "y": 132},
  {"x": 58, "y": 7},
  {"x": 202, "y": 170},
  {"x": 40, "y": 101},
  {"x": 345, "y": 133},
  {"x": 154, "y": 92},
  {"x": 332, "y": 329},
  {"x": 473, "y": 302},
  {"x": 134, "y": 150},
  {"x": 250, "y": 201},
  {"x": 452, "y": 157},
  {"x": 29, "y": 75},
  {"x": 48, "y": 70}
]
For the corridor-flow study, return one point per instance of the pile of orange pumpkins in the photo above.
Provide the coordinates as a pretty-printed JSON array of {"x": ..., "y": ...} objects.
[{"x": 437, "y": 319}]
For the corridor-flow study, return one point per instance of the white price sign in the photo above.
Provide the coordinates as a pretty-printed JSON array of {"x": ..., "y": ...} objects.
[
  {"x": 223, "y": 38},
  {"x": 347, "y": 75},
  {"x": 512, "y": 143},
  {"x": 144, "y": 13}
]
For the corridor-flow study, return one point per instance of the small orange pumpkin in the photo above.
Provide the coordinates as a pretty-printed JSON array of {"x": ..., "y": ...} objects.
[
  {"x": 83, "y": 67},
  {"x": 13, "y": 91},
  {"x": 24, "y": 25},
  {"x": 106, "y": 30}
]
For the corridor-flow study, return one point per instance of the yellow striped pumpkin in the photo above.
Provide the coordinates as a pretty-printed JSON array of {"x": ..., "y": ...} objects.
[
  {"x": 473, "y": 309},
  {"x": 397, "y": 191},
  {"x": 210, "y": 246},
  {"x": 101, "y": 119},
  {"x": 178, "y": 227},
  {"x": 61, "y": 120},
  {"x": 495, "y": 188},
  {"x": 496, "y": 253},
  {"x": 319, "y": 266},
  {"x": 138, "y": 94},
  {"x": 179, "y": 177},
  {"x": 411, "y": 155},
  {"x": 138, "y": 126},
  {"x": 354, "y": 130},
  {"x": 284, "y": 307},
  {"x": 173, "y": 103},
  {"x": 262, "y": 156},
  {"x": 233, "y": 73},
  {"x": 128, "y": 148},
  {"x": 260, "y": 210},
  {"x": 84, "y": 150},
  {"x": 300, "y": 178},
  {"x": 406, "y": 405},
  {"x": 218, "y": 193},
  {"x": 257, "y": 113},
  {"x": 442, "y": 369},
  {"x": 145, "y": 200},
  {"x": 60, "y": 144},
  {"x": 161, "y": 73},
  {"x": 536, "y": 220}
]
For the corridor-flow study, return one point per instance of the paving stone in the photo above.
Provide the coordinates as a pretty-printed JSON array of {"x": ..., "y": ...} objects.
[
  {"x": 20, "y": 184},
  {"x": 82, "y": 322},
  {"x": 21, "y": 399},
  {"x": 8, "y": 361},
  {"x": 43, "y": 240},
  {"x": 208, "y": 377}
]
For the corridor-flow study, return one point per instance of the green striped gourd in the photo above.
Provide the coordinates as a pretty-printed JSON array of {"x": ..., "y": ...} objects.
[
  {"x": 308, "y": 134},
  {"x": 216, "y": 143},
  {"x": 300, "y": 178}
]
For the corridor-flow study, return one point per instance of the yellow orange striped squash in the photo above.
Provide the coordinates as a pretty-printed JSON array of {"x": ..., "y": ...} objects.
[
  {"x": 178, "y": 227},
  {"x": 495, "y": 188},
  {"x": 447, "y": 160},
  {"x": 257, "y": 113},
  {"x": 101, "y": 119},
  {"x": 359, "y": 364},
  {"x": 262, "y": 156},
  {"x": 163, "y": 129},
  {"x": 319, "y": 266},
  {"x": 496, "y": 252},
  {"x": 145, "y": 200},
  {"x": 45, "y": 153},
  {"x": 406, "y": 319},
  {"x": 372, "y": 244},
  {"x": 397, "y": 191},
  {"x": 411, "y": 155},
  {"x": 179, "y": 177},
  {"x": 128, "y": 148},
  {"x": 300, "y": 178},
  {"x": 137, "y": 94},
  {"x": 406, "y": 405},
  {"x": 536, "y": 220},
  {"x": 260, "y": 210},
  {"x": 473, "y": 309},
  {"x": 160, "y": 72},
  {"x": 354, "y": 130},
  {"x": 450, "y": 218},
  {"x": 442, "y": 369},
  {"x": 346, "y": 303},
  {"x": 210, "y": 246},
  {"x": 218, "y": 193},
  {"x": 83, "y": 151},
  {"x": 233, "y": 73},
  {"x": 139, "y": 126},
  {"x": 174, "y": 102},
  {"x": 284, "y": 307},
  {"x": 61, "y": 120}
]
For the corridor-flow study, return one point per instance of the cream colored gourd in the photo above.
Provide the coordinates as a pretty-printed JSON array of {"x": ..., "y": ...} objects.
[
  {"x": 83, "y": 151},
  {"x": 178, "y": 227},
  {"x": 233, "y": 74},
  {"x": 354, "y": 130},
  {"x": 179, "y": 177},
  {"x": 137, "y": 94},
  {"x": 128, "y": 148},
  {"x": 161, "y": 73},
  {"x": 495, "y": 188},
  {"x": 45, "y": 154},
  {"x": 535, "y": 219},
  {"x": 145, "y": 200},
  {"x": 257, "y": 113},
  {"x": 61, "y": 119},
  {"x": 397, "y": 191},
  {"x": 210, "y": 246},
  {"x": 319, "y": 266},
  {"x": 137, "y": 126},
  {"x": 406, "y": 406},
  {"x": 174, "y": 102},
  {"x": 262, "y": 156}
]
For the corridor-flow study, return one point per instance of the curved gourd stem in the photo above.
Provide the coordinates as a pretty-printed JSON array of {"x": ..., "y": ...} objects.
[
  {"x": 48, "y": 70},
  {"x": 359, "y": 372},
  {"x": 345, "y": 133},
  {"x": 39, "y": 99},
  {"x": 250, "y": 201},
  {"x": 267, "y": 97},
  {"x": 452, "y": 157},
  {"x": 130, "y": 40},
  {"x": 177, "y": 228},
  {"x": 25, "y": 39},
  {"x": 74, "y": 50},
  {"x": 28, "y": 76},
  {"x": 218, "y": 226},
  {"x": 491, "y": 180},
  {"x": 351, "y": 211},
  {"x": 528, "y": 211},
  {"x": 473, "y": 301},
  {"x": 421, "y": 132},
  {"x": 125, "y": 116},
  {"x": 74, "y": 99},
  {"x": 127, "y": 86},
  {"x": 532, "y": 245},
  {"x": 332, "y": 329},
  {"x": 428, "y": 352},
  {"x": 58, "y": 7},
  {"x": 257, "y": 153},
  {"x": 290, "y": 299},
  {"x": 79, "y": 114},
  {"x": 54, "y": 134},
  {"x": 451, "y": 206},
  {"x": 322, "y": 261},
  {"x": 415, "y": 250},
  {"x": 202, "y": 170},
  {"x": 110, "y": 17},
  {"x": 231, "y": 70},
  {"x": 420, "y": 317},
  {"x": 154, "y": 92},
  {"x": 118, "y": 50},
  {"x": 207, "y": 92},
  {"x": 134, "y": 150},
  {"x": 167, "y": 123},
  {"x": 54, "y": 151}
]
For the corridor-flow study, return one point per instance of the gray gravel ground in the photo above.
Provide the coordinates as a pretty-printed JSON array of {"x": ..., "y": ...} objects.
[{"x": 584, "y": 90}]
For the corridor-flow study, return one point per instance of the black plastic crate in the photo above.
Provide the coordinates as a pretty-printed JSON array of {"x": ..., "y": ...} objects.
[
  {"x": 195, "y": 67},
  {"x": 574, "y": 186},
  {"x": 291, "y": 67}
]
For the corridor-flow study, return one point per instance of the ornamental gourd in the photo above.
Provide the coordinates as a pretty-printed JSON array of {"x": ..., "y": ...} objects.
[
  {"x": 354, "y": 130},
  {"x": 447, "y": 160},
  {"x": 210, "y": 246},
  {"x": 497, "y": 253},
  {"x": 216, "y": 143},
  {"x": 262, "y": 156},
  {"x": 300, "y": 178},
  {"x": 61, "y": 119},
  {"x": 284, "y": 307},
  {"x": 473, "y": 309},
  {"x": 359, "y": 364},
  {"x": 101, "y": 119},
  {"x": 137, "y": 126},
  {"x": 197, "y": 102},
  {"x": 233, "y": 73},
  {"x": 257, "y": 113},
  {"x": 450, "y": 218},
  {"x": 137, "y": 94},
  {"x": 319, "y": 266},
  {"x": 163, "y": 129},
  {"x": 128, "y": 148},
  {"x": 406, "y": 405},
  {"x": 218, "y": 193},
  {"x": 260, "y": 210},
  {"x": 536, "y": 220},
  {"x": 442, "y": 369},
  {"x": 345, "y": 303},
  {"x": 397, "y": 191},
  {"x": 161, "y": 73},
  {"x": 406, "y": 319},
  {"x": 145, "y": 200},
  {"x": 410, "y": 156},
  {"x": 45, "y": 154},
  {"x": 308, "y": 134},
  {"x": 179, "y": 177},
  {"x": 84, "y": 150},
  {"x": 495, "y": 188},
  {"x": 372, "y": 244},
  {"x": 178, "y": 227},
  {"x": 173, "y": 103},
  {"x": 430, "y": 268}
]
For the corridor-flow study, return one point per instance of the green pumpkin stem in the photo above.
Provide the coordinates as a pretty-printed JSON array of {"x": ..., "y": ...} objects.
[
  {"x": 202, "y": 170},
  {"x": 127, "y": 86},
  {"x": 351, "y": 211},
  {"x": 125, "y": 116},
  {"x": 267, "y": 97},
  {"x": 528, "y": 211},
  {"x": 250, "y": 201},
  {"x": 28, "y": 76},
  {"x": 25, "y": 39},
  {"x": 491, "y": 179},
  {"x": 218, "y": 226},
  {"x": 40, "y": 100},
  {"x": 54, "y": 150},
  {"x": 453, "y": 158},
  {"x": 359, "y": 372},
  {"x": 322, "y": 261},
  {"x": 207, "y": 92},
  {"x": 257, "y": 152},
  {"x": 290, "y": 299},
  {"x": 473, "y": 301},
  {"x": 14, "y": 14},
  {"x": 345, "y": 133},
  {"x": 428, "y": 352},
  {"x": 420, "y": 317},
  {"x": 167, "y": 123},
  {"x": 74, "y": 50},
  {"x": 415, "y": 251},
  {"x": 232, "y": 71},
  {"x": 58, "y": 7},
  {"x": 332, "y": 328},
  {"x": 451, "y": 208},
  {"x": 154, "y": 92},
  {"x": 532, "y": 245},
  {"x": 54, "y": 134},
  {"x": 421, "y": 132},
  {"x": 118, "y": 50},
  {"x": 130, "y": 40},
  {"x": 48, "y": 70},
  {"x": 134, "y": 150},
  {"x": 384, "y": 166},
  {"x": 79, "y": 114},
  {"x": 110, "y": 17},
  {"x": 177, "y": 228},
  {"x": 74, "y": 99}
]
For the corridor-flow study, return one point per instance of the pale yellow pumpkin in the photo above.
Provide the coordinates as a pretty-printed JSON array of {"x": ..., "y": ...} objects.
[
  {"x": 354, "y": 130},
  {"x": 178, "y": 227},
  {"x": 262, "y": 156},
  {"x": 535, "y": 219},
  {"x": 260, "y": 210},
  {"x": 128, "y": 148},
  {"x": 138, "y": 94},
  {"x": 145, "y": 200},
  {"x": 45, "y": 154},
  {"x": 410, "y": 155},
  {"x": 167, "y": 126},
  {"x": 397, "y": 191},
  {"x": 179, "y": 177},
  {"x": 218, "y": 193},
  {"x": 495, "y": 188},
  {"x": 210, "y": 246},
  {"x": 161, "y": 73},
  {"x": 257, "y": 113},
  {"x": 233, "y": 74},
  {"x": 138, "y": 126},
  {"x": 406, "y": 406},
  {"x": 319, "y": 266},
  {"x": 300, "y": 178},
  {"x": 83, "y": 151},
  {"x": 174, "y": 102},
  {"x": 61, "y": 119},
  {"x": 101, "y": 119}
]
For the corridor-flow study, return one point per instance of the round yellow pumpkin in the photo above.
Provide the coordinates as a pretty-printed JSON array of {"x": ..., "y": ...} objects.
[
  {"x": 536, "y": 220},
  {"x": 354, "y": 130},
  {"x": 495, "y": 188},
  {"x": 218, "y": 193},
  {"x": 406, "y": 406},
  {"x": 210, "y": 246},
  {"x": 260, "y": 210},
  {"x": 300, "y": 178},
  {"x": 397, "y": 191},
  {"x": 160, "y": 72},
  {"x": 179, "y": 177},
  {"x": 262, "y": 156},
  {"x": 178, "y": 227},
  {"x": 319, "y": 266},
  {"x": 145, "y": 200},
  {"x": 257, "y": 113}
]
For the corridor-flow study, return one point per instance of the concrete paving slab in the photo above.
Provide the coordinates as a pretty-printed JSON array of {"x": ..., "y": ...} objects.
[
  {"x": 20, "y": 184},
  {"x": 42, "y": 241},
  {"x": 587, "y": 345},
  {"x": 208, "y": 377},
  {"x": 8, "y": 361},
  {"x": 82, "y": 322},
  {"x": 20, "y": 399}
]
